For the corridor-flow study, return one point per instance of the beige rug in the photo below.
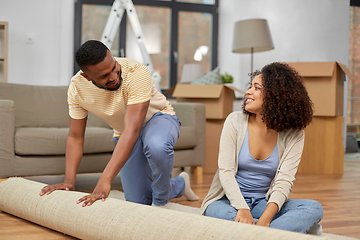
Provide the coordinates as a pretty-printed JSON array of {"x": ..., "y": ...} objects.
[
  {"x": 175, "y": 206},
  {"x": 118, "y": 219}
]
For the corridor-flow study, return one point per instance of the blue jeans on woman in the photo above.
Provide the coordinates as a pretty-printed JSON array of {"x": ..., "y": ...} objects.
[
  {"x": 297, "y": 215},
  {"x": 146, "y": 176}
]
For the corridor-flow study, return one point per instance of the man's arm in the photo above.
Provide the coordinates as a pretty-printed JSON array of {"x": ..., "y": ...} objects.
[
  {"x": 74, "y": 152},
  {"x": 134, "y": 120}
]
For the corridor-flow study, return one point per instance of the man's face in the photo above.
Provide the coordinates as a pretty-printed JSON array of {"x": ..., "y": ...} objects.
[{"x": 105, "y": 75}]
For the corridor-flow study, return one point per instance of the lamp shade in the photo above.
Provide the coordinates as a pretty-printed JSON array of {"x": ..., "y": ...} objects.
[
  {"x": 191, "y": 72},
  {"x": 252, "y": 35}
]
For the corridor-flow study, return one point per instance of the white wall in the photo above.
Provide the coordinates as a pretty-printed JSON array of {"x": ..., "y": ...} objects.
[
  {"x": 302, "y": 30},
  {"x": 46, "y": 58}
]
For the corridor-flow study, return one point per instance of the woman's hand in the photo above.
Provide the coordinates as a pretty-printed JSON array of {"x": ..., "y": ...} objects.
[
  {"x": 101, "y": 191},
  {"x": 61, "y": 186},
  {"x": 268, "y": 215},
  {"x": 244, "y": 216},
  {"x": 262, "y": 222}
]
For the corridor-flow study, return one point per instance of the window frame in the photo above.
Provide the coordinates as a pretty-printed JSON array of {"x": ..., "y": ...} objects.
[
  {"x": 175, "y": 8},
  {"x": 355, "y": 3}
]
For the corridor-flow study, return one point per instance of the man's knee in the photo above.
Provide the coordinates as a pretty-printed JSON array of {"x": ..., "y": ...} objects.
[
  {"x": 158, "y": 148},
  {"x": 138, "y": 198}
]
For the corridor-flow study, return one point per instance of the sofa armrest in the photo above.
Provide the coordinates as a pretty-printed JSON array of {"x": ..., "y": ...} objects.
[
  {"x": 193, "y": 114},
  {"x": 7, "y": 130},
  {"x": 190, "y": 114}
]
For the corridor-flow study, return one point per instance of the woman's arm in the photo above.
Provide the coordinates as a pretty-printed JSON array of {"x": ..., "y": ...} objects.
[
  {"x": 268, "y": 215},
  {"x": 235, "y": 125},
  {"x": 282, "y": 184}
]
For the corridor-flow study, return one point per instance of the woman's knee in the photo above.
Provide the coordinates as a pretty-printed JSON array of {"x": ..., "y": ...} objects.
[
  {"x": 222, "y": 212},
  {"x": 316, "y": 208}
]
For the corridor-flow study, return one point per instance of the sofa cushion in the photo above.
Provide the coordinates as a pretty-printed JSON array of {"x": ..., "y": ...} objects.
[
  {"x": 42, "y": 106},
  {"x": 187, "y": 138},
  {"x": 37, "y": 106},
  {"x": 52, "y": 141}
]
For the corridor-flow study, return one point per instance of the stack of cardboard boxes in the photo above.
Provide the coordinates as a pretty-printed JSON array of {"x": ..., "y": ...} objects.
[{"x": 324, "y": 150}]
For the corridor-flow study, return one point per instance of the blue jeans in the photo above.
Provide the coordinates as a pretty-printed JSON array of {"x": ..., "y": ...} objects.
[
  {"x": 146, "y": 176},
  {"x": 297, "y": 215}
]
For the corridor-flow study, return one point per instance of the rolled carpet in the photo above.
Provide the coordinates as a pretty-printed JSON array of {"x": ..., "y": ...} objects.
[{"x": 118, "y": 219}]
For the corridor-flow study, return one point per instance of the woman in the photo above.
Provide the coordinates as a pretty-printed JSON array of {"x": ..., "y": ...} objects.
[{"x": 260, "y": 150}]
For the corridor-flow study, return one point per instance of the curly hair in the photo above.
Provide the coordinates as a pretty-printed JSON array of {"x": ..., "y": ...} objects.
[{"x": 286, "y": 103}]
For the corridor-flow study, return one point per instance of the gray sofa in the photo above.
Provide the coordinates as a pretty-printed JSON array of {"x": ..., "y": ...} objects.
[{"x": 34, "y": 125}]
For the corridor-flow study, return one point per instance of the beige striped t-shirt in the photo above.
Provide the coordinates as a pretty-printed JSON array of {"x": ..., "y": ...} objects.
[{"x": 136, "y": 87}]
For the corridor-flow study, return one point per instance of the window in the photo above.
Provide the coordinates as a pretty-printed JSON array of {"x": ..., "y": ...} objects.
[
  {"x": 94, "y": 18},
  {"x": 194, "y": 26},
  {"x": 174, "y": 31},
  {"x": 155, "y": 24}
]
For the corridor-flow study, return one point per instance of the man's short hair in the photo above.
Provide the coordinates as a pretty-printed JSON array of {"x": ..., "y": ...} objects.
[{"x": 90, "y": 53}]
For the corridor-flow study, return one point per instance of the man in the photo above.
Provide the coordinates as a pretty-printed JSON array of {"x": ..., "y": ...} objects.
[{"x": 120, "y": 91}]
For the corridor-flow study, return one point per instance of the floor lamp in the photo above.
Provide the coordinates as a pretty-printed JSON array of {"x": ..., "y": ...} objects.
[{"x": 252, "y": 35}]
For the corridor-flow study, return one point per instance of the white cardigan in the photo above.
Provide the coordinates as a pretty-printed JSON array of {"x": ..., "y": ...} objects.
[{"x": 290, "y": 147}]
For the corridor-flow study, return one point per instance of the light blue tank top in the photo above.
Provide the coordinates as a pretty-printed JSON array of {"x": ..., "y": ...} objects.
[{"x": 254, "y": 176}]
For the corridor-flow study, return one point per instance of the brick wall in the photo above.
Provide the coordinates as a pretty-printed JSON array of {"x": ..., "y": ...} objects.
[{"x": 353, "y": 110}]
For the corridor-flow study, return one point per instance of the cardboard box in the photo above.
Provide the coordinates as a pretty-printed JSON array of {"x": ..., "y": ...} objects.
[
  {"x": 217, "y": 98},
  {"x": 323, "y": 149},
  {"x": 213, "y": 133},
  {"x": 324, "y": 82}
]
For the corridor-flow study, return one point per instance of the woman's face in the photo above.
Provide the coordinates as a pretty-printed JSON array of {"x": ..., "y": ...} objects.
[{"x": 254, "y": 96}]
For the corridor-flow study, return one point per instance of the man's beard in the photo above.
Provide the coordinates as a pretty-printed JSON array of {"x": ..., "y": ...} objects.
[{"x": 109, "y": 89}]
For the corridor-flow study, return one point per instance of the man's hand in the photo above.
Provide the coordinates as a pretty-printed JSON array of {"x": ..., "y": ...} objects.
[
  {"x": 244, "y": 216},
  {"x": 61, "y": 186},
  {"x": 101, "y": 191}
]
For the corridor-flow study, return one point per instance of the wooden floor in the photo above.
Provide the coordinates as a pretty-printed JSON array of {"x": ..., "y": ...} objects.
[{"x": 339, "y": 195}]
